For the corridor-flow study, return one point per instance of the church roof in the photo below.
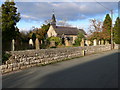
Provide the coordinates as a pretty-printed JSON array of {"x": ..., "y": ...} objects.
[
  {"x": 60, "y": 30},
  {"x": 68, "y": 30}
]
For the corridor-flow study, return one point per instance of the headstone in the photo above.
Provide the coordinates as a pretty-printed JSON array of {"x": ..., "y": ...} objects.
[
  {"x": 106, "y": 42},
  {"x": 45, "y": 42},
  {"x": 87, "y": 42},
  {"x": 67, "y": 42},
  {"x": 41, "y": 42},
  {"x": 52, "y": 44},
  {"x": 73, "y": 41},
  {"x": 31, "y": 43},
  {"x": 37, "y": 44},
  {"x": 82, "y": 44},
  {"x": 95, "y": 42},
  {"x": 102, "y": 42},
  {"x": 13, "y": 45},
  {"x": 99, "y": 42}
]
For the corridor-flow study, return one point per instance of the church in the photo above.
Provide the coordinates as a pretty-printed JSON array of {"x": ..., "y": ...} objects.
[{"x": 69, "y": 33}]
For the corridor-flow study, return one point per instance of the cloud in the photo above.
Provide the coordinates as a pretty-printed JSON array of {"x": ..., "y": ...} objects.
[
  {"x": 63, "y": 0},
  {"x": 63, "y": 10},
  {"x": 28, "y": 17}
]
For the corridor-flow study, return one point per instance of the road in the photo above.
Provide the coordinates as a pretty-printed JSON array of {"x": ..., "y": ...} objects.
[{"x": 92, "y": 71}]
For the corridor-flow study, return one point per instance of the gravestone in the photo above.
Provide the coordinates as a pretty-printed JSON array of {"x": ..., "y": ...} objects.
[
  {"x": 31, "y": 43},
  {"x": 106, "y": 42},
  {"x": 95, "y": 42},
  {"x": 45, "y": 42},
  {"x": 37, "y": 44},
  {"x": 41, "y": 42},
  {"x": 13, "y": 45},
  {"x": 99, "y": 42},
  {"x": 87, "y": 42},
  {"x": 52, "y": 44},
  {"x": 102, "y": 42},
  {"x": 67, "y": 42},
  {"x": 82, "y": 44}
]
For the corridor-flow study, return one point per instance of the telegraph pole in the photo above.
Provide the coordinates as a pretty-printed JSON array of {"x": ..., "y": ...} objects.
[
  {"x": 112, "y": 44},
  {"x": 111, "y": 11}
]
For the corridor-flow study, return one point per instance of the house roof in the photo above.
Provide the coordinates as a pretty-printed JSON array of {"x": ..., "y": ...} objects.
[{"x": 60, "y": 30}]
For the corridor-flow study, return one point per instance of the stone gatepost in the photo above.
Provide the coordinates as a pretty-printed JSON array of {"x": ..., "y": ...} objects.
[
  {"x": 102, "y": 42},
  {"x": 95, "y": 42},
  {"x": 37, "y": 44},
  {"x": 83, "y": 52},
  {"x": 31, "y": 43},
  {"x": 82, "y": 44},
  {"x": 13, "y": 45},
  {"x": 52, "y": 44}
]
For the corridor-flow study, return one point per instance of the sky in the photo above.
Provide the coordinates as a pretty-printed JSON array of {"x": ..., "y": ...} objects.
[{"x": 77, "y": 14}]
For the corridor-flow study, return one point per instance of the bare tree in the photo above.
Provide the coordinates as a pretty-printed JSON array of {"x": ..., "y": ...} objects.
[{"x": 95, "y": 26}]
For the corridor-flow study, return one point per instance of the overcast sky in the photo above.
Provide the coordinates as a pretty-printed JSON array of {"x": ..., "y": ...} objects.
[{"x": 76, "y": 13}]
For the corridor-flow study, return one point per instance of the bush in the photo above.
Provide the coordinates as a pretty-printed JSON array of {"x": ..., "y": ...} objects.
[
  {"x": 79, "y": 39},
  {"x": 77, "y": 42},
  {"x": 57, "y": 40},
  {"x": 5, "y": 57}
]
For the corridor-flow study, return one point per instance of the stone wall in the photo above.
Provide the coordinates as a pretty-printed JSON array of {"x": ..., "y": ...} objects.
[
  {"x": 29, "y": 58},
  {"x": 117, "y": 46}
]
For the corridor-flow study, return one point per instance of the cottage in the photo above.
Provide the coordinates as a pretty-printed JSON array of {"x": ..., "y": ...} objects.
[{"x": 63, "y": 32}]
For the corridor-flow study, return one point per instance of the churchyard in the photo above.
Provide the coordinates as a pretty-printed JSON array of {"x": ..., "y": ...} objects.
[{"x": 50, "y": 42}]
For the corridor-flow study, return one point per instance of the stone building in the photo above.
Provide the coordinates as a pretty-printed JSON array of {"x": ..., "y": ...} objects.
[{"x": 63, "y": 32}]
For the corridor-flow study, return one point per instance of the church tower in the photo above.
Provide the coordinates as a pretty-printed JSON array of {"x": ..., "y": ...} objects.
[{"x": 52, "y": 29}]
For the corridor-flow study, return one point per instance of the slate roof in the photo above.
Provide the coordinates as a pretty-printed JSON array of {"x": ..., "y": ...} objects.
[{"x": 68, "y": 30}]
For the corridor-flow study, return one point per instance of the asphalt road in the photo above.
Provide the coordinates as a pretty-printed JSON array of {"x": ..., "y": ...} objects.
[{"x": 93, "y": 71}]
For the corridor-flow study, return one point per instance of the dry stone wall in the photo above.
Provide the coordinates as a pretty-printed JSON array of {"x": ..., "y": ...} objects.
[{"x": 29, "y": 58}]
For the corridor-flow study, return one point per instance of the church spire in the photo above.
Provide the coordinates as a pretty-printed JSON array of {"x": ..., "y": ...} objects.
[{"x": 53, "y": 21}]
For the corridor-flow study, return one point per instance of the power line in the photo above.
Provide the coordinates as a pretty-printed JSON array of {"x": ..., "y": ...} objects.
[
  {"x": 102, "y": 5},
  {"x": 111, "y": 11}
]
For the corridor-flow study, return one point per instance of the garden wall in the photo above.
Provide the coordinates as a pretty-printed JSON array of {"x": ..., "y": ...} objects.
[{"x": 29, "y": 58}]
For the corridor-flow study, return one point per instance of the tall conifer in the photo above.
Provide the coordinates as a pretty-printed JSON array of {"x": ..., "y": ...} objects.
[
  {"x": 10, "y": 17},
  {"x": 116, "y": 31},
  {"x": 106, "y": 32}
]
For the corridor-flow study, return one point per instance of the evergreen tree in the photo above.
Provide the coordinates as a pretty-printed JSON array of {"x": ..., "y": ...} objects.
[
  {"x": 106, "y": 32},
  {"x": 33, "y": 37},
  {"x": 116, "y": 31},
  {"x": 9, "y": 19},
  {"x": 44, "y": 29}
]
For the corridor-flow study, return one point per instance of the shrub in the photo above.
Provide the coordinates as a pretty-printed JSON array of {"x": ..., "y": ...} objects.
[
  {"x": 57, "y": 40},
  {"x": 79, "y": 39},
  {"x": 5, "y": 57}
]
